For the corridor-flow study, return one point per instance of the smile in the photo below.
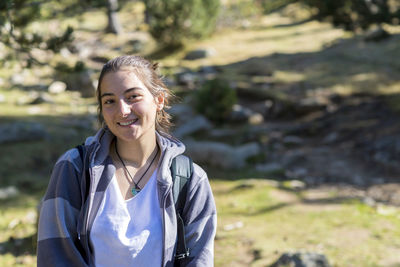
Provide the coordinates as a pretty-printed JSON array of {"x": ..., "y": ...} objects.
[{"x": 127, "y": 123}]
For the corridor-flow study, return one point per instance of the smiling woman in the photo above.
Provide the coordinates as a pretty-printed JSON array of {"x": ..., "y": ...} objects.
[{"x": 110, "y": 202}]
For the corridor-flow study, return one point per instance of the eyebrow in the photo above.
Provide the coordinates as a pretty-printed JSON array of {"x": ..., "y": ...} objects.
[{"x": 125, "y": 92}]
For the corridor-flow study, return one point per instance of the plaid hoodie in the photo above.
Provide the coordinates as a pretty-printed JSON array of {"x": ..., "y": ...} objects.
[{"x": 67, "y": 215}]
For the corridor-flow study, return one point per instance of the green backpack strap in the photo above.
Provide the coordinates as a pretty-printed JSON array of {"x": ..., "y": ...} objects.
[{"x": 181, "y": 171}]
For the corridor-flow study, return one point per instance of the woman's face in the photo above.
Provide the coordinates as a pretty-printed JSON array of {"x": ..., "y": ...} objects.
[{"x": 128, "y": 107}]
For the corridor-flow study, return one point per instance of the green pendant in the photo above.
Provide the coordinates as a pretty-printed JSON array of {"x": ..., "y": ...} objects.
[{"x": 135, "y": 191}]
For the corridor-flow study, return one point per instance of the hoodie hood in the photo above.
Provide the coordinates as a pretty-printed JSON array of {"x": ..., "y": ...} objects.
[{"x": 99, "y": 148}]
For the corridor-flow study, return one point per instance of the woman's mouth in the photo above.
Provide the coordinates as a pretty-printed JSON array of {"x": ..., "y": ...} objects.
[{"x": 127, "y": 123}]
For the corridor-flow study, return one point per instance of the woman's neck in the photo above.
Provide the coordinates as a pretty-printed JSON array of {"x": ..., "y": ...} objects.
[{"x": 136, "y": 152}]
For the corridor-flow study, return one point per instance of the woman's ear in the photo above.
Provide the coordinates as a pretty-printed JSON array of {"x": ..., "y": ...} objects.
[{"x": 160, "y": 101}]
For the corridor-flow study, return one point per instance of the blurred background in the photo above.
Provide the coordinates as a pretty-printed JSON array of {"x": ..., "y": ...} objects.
[{"x": 291, "y": 106}]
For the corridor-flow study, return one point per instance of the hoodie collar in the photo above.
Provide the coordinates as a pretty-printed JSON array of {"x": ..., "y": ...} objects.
[{"x": 99, "y": 146}]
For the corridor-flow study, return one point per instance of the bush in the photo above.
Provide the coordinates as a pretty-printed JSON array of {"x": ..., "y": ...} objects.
[
  {"x": 215, "y": 100},
  {"x": 356, "y": 14},
  {"x": 171, "y": 22}
]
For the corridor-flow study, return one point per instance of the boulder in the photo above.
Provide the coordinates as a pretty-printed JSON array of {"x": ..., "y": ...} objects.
[
  {"x": 300, "y": 259},
  {"x": 40, "y": 99},
  {"x": 8, "y": 192},
  {"x": 21, "y": 131},
  {"x": 193, "y": 125},
  {"x": 376, "y": 35},
  {"x": 81, "y": 82},
  {"x": 57, "y": 87},
  {"x": 200, "y": 53},
  {"x": 220, "y": 154},
  {"x": 243, "y": 114}
]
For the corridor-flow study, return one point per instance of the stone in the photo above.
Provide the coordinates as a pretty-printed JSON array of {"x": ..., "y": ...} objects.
[
  {"x": 57, "y": 87},
  {"x": 300, "y": 259},
  {"x": 181, "y": 112},
  {"x": 21, "y": 131},
  {"x": 8, "y": 192},
  {"x": 292, "y": 140},
  {"x": 17, "y": 78},
  {"x": 40, "y": 99},
  {"x": 200, "y": 53},
  {"x": 298, "y": 173},
  {"x": 221, "y": 155},
  {"x": 331, "y": 138},
  {"x": 272, "y": 167},
  {"x": 81, "y": 82},
  {"x": 376, "y": 35},
  {"x": 187, "y": 79},
  {"x": 242, "y": 114},
  {"x": 197, "y": 123}
]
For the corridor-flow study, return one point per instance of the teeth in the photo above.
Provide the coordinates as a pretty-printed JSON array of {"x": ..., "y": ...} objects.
[{"x": 126, "y": 123}]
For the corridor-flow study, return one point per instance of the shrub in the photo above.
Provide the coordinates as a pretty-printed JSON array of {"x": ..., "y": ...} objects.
[
  {"x": 215, "y": 100},
  {"x": 355, "y": 14},
  {"x": 171, "y": 22}
]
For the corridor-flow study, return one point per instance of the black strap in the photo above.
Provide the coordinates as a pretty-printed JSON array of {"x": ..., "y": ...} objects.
[
  {"x": 85, "y": 168},
  {"x": 181, "y": 171}
]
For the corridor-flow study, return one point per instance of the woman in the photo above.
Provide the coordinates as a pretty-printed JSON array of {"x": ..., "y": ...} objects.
[{"x": 112, "y": 204}]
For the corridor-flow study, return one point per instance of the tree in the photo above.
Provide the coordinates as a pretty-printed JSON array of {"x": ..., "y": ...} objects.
[
  {"x": 357, "y": 14},
  {"x": 15, "y": 17},
  {"x": 113, "y": 25},
  {"x": 171, "y": 22}
]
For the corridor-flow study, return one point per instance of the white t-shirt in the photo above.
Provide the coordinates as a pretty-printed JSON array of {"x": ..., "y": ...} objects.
[{"x": 128, "y": 232}]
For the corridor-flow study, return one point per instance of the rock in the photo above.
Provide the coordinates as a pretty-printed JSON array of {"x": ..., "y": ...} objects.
[
  {"x": 220, "y": 154},
  {"x": 376, "y": 35},
  {"x": 17, "y": 78},
  {"x": 243, "y": 114},
  {"x": 208, "y": 70},
  {"x": 57, "y": 87},
  {"x": 233, "y": 226},
  {"x": 298, "y": 173},
  {"x": 292, "y": 140},
  {"x": 331, "y": 138},
  {"x": 137, "y": 46},
  {"x": 272, "y": 167},
  {"x": 65, "y": 53},
  {"x": 181, "y": 112},
  {"x": 196, "y": 124},
  {"x": 8, "y": 192},
  {"x": 308, "y": 105},
  {"x": 200, "y": 53},
  {"x": 82, "y": 82},
  {"x": 40, "y": 99},
  {"x": 300, "y": 259},
  {"x": 187, "y": 79},
  {"x": 21, "y": 131}
]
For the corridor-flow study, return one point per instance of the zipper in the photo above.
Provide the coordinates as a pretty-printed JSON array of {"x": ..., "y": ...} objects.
[{"x": 163, "y": 221}]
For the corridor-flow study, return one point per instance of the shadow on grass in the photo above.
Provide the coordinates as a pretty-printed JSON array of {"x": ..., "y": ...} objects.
[
  {"x": 353, "y": 63},
  {"x": 19, "y": 246}
]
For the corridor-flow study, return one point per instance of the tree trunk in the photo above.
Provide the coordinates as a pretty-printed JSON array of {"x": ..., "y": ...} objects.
[{"x": 112, "y": 13}]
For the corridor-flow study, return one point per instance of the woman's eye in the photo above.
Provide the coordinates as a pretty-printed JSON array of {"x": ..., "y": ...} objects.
[
  {"x": 133, "y": 97},
  {"x": 108, "y": 101}
]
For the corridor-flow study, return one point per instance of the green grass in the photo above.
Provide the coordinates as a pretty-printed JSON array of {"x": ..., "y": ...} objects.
[{"x": 348, "y": 233}]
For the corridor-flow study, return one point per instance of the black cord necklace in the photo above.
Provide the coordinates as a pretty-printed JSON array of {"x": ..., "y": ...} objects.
[{"x": 135, "y": 189}]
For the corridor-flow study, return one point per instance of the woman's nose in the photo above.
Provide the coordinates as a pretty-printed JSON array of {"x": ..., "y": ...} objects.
[{"x": 125, "y": 108}]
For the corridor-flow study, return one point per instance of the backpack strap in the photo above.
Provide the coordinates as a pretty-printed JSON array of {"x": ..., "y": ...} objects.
[
  {"x": 85, "y": 167},
  {"x": 181, "y": 171}
]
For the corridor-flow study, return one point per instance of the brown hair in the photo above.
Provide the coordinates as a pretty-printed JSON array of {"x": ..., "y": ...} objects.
[{"x": 146, "y": 71}]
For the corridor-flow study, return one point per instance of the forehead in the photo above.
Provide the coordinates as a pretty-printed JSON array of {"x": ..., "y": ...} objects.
[{"x": 121, "y": 80}]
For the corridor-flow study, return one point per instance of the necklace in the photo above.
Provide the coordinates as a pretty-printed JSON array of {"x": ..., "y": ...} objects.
[{"x": 135, "y": 189}]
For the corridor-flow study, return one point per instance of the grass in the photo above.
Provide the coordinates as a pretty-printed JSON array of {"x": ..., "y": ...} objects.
[{"x": 271, "y": 221}]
